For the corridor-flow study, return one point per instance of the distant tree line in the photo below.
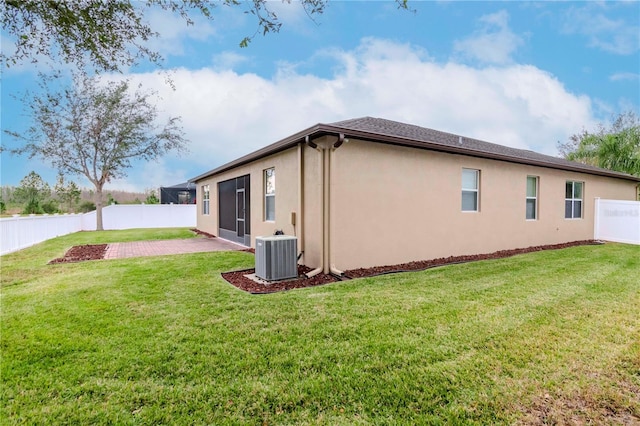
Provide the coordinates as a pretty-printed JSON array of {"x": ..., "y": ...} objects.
[{"x": 35, "y": 196}]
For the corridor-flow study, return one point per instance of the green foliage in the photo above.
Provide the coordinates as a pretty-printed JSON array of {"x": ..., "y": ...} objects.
[
  {"x": 614, "y": 148},
  {"x": 113, "y": 35},
  {"x": 87, "y": 206},
  {"x": 33, "y": 207},
  {"x": 542, "y": 338},
  {"x": 68, "y": 193},
  {"x": 3, "y": 206},
  {"x": 111, "y": 200},
  {"x": 50, "y": 207},
  {"x": 32, "y": 191},
  {"x": 108, "y": 35},
  {"x": 152, "y": 198}
]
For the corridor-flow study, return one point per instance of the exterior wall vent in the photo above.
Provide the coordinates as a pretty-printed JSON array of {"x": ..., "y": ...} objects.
[{"x": 276, "y": 257}]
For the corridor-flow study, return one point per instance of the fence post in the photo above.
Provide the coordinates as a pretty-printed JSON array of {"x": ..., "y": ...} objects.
[{"x": 596, "y": 220}]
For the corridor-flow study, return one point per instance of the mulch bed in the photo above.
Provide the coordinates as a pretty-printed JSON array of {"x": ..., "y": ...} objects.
[
  {"x": 204, "y": 234},
  {"x": 238, "y": 279},
  {"x": 82, "y": 253},
  {"x": 426, "y": 264}
]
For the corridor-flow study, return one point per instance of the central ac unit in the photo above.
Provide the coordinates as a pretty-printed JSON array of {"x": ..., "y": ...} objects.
[{"x": 276, "y": 257}]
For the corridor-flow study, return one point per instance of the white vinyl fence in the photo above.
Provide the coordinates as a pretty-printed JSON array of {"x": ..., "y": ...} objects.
[
  {"x": 17, "y": 232},
  {"x": 617, "y": 220}
]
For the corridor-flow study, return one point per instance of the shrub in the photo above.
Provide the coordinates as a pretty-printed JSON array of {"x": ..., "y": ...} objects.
[
  {"x": 50, "y": 207},
  {"x": 33, "y": 207},
  {"x": 87, "y": 206}
]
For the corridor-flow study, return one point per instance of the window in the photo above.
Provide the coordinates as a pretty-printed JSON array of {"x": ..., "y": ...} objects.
[
  {"x": 205, "y": 199},
  {"x": 573, "y": 200},
  {"x": 470, "y": 190},
  {"x": 270, "y": 194},
  {"x": 532, "y": 197}
]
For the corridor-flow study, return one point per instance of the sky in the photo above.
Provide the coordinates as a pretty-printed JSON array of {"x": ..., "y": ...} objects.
[{"x": 521, "y": 74}]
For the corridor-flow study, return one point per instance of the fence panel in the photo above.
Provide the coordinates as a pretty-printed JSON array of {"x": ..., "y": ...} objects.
[
  {"x": 119, "y": 216},
  {"x": 617, "y": 220},
  {"x": 17, "y": 233}
]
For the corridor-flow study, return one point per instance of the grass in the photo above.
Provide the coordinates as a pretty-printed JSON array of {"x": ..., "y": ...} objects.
[{"x": 542, "y": 338}]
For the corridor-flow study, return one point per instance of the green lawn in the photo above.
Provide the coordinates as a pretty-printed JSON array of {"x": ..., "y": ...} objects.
[{"x": 543, "y": 338}]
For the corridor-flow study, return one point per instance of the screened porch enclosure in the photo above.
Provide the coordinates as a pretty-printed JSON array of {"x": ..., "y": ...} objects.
[{"x": 234, "y": 210}]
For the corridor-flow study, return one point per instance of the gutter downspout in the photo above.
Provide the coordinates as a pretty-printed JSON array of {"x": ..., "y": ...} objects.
[
  {"x": 326, "y": 265},
  {"x": 332, "y": 268},
  {"x": 321, "y": 168},
  {"x": 300, "y": 216},
  {"x": 326, "y": 268}
]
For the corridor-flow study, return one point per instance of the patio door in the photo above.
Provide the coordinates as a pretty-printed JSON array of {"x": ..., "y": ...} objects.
[
  {"x": 240, "y": 212},
  {"x": 234, "y": 210}
]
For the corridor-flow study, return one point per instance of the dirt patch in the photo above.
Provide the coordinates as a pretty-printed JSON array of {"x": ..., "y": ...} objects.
[
  {"x": 82, "y": 253},
  {"x": 238, "y": 279},
  {"x": 591, "y": 406},
  {"x": 426, "y": 264}
]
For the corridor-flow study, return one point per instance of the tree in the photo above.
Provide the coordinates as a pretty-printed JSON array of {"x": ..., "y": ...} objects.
[
  {"x": 614, "y": 148},
  {"x": 152, "y": 198},
  {"x": 112, "y": 35},
  {"x": 96, "y": 129},
  {"x": 68, "y": 193},
  {"x": 32, "y": 191}
]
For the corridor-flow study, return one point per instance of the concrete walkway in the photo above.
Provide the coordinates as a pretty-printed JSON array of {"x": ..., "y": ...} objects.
[{"x": 164, "y": 247}]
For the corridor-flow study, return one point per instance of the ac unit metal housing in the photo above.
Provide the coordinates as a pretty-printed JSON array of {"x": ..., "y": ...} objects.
[{"x": 276, "y": 257}]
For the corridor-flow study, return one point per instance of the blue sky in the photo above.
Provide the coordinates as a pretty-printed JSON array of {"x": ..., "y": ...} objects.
[{"x": 522, "y": 74}]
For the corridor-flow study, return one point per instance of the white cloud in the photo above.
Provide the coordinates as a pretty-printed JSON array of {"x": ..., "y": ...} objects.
[
  {"x": 174, "y": 31},
  {"x": 228, "y": 60},
  {"x": 227, "y": 114},
  {"x": 493, "y": 43},
  {"x": 620, "y": 36},
  {"x": 625, "y": 76}
]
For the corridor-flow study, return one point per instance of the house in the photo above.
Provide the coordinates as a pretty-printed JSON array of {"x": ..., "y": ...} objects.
[
  {"x": 182, "y": 193},
  {"x": 369, "y": 192}
]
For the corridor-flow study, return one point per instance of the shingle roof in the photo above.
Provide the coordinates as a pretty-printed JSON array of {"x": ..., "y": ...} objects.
[{"x": 396, "y": 133}]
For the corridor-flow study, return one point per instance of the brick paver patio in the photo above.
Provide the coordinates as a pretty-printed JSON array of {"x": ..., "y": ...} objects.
[{"x": 163, "y": 247}]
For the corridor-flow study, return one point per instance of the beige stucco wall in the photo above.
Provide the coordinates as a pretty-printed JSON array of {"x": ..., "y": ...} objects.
[
  {"x": 393, "y": 204},
  {"x": 286, "y": 167}
]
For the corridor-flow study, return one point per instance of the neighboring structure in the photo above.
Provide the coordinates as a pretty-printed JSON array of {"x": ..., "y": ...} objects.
[
  {"x": 369, "y": 192},
  {"x": 183, "y": 193}
]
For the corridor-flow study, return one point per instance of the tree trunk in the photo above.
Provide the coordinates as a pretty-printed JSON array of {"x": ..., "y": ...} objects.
[{"x": 99, "y": 226}]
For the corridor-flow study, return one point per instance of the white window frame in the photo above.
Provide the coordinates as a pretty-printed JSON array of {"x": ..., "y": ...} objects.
[
  {"x": 269, "y": 194},
  {"x": 206, "y": 204},
  {"x": 534, "y": 198},
  {"x": 475, "y": 190},
  {"x": 573, "y": 200}
]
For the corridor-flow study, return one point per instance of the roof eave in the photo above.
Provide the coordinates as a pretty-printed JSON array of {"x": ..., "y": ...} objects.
[
  {"x": 283, "y": 144},
  {"x": 319, "y": 130}
]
